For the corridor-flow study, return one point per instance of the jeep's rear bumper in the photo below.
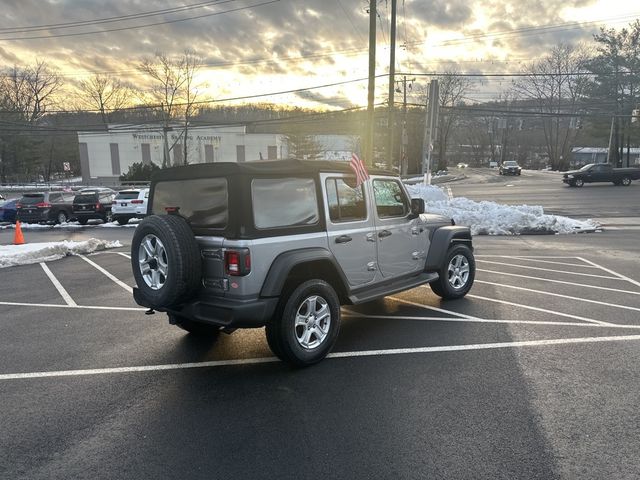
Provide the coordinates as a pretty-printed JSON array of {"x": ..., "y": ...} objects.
[{"x": 222, "y": 312}]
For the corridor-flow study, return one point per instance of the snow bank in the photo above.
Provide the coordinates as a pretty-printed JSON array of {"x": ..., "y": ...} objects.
[
  {"x": 490, "y": 218},
  {"x": 133, "y": 223},
  {"x": 11, "y": 255}
]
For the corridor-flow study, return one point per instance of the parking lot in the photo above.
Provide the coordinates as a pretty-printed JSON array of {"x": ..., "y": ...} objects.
[{"x": 533, "y": 374}]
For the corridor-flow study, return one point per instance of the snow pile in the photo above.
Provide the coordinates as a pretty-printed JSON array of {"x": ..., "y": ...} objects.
[
  {"x": 11, "y": 255},
  {"x": 490, "y": 218},
  {"x": 133, "y": 223}
]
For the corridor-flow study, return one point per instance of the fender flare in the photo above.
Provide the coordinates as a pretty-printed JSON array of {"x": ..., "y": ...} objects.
[
  {"x": 285, "y": 262},
  {"x": 440, "y": 241}
]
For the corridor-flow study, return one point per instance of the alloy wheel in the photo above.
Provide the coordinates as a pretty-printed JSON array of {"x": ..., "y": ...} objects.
[
  {"x": 313, "y": 321},
  {"x": 458, "y": 272},
  {"x": 153, "y": 263}
]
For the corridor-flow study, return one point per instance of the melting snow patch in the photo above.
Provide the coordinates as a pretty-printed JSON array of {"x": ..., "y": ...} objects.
[
  {"x": 491, "y": 218},
  {"x": 11, "y": 255}
]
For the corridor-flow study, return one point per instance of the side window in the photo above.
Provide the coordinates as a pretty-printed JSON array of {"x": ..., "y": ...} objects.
[
  {"x": 346, "y": 201},
  {"x": 390, "y": 199},
  {"x": 54, "y": 197},
  {"x": 284, "y": 202}
]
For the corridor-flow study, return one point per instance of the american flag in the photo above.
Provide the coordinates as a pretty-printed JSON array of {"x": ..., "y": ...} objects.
[{"x": 359, "y": 169}]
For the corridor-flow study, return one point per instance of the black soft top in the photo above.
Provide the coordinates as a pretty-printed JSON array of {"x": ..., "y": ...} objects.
[{"x": 258, "y": 168}]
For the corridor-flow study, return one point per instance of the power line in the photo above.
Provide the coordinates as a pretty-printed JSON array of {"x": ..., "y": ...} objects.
[
  {"x": 119, "y": 18},
  {"x": 145, "y": 25}
]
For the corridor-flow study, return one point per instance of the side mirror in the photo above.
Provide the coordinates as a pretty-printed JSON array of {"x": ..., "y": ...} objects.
[{"x": 417, "y": 206}]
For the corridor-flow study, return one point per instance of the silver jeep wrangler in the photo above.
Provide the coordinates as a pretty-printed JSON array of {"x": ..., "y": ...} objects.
[{"x": 283, "y": 244}]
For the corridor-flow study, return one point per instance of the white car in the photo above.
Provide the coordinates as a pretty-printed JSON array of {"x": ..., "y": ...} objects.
[{"x": 130, "y": 204}]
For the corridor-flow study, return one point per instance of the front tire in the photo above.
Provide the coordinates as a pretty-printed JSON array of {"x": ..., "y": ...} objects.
[
  {"x": 305, "y": 325},
  {"x": 166, "y": 262},
  {"x": 456, "y": 274},
  {"x": 625, "y": 181},
  {"x": 578, "y": 182}
]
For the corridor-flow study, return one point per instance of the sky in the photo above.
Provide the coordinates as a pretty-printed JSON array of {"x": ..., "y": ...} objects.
[{"x": 253, "y": 47}]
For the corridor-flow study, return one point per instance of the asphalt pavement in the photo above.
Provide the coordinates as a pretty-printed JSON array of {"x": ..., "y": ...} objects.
[{"x": 533, "y": 375}]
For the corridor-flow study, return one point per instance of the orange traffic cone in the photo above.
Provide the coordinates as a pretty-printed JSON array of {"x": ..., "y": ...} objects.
[{"x": 18, "y": 239}]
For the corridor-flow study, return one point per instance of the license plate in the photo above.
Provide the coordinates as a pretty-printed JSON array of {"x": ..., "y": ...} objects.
[
  {"x": 83, "y": 207},
  {"x": 123, "y": 204},
  {"x": 29, "y": 211}
]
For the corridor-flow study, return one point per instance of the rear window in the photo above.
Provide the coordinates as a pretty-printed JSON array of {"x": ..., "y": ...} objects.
[
  {"x": 284, "y": 202},
  {"x": 85, "y": 198},
  {"x": 203, "y": 201},
  {"x": 32, "y": 199},
  {"x": 127, "y": 195}
]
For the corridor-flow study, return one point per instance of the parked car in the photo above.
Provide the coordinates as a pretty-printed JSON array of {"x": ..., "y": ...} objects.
[
  {"x": 130, "y": 204},
  {"x": 493, "y": 164},
  {"x": 45, "y": 207},
  {"x": 510, "y": 167},
  {"x": 601, "y": 172},
  {"x": 283, "y": 244},
  {"x": 93, "y": 204},
  {"x": 8, "y": 211},
  {"x": 463, "y": 165}
]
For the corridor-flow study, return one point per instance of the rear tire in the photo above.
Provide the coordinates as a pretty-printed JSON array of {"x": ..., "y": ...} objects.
[
  {"x": 121, "y": 220},
  {"x": 456, "y": 274},
  {"x": 83, "y": 221},
  {"x": 166, "y": 262},
  {"x": 61, "y": 217},
  {"x": 305, "y": 325}
]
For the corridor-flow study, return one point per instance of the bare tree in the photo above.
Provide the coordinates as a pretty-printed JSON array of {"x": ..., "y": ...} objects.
[
  {"x": 555, "y": 86},
  {"x": 174, "y": 93},
  {"x": 105, "y": 94}
]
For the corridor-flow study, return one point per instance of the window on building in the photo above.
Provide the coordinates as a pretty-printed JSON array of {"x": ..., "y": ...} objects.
[
  {"x": 208, "y": 154},
  {"x": 272, "y": 152},
  {"x": 115, "y": 159},
  {"x": 178, "y": 159},
  {"x": 146, "y": 154},
  {"x": 240, "y": 153}
]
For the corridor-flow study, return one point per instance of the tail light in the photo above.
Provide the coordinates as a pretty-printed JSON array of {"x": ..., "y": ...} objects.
[
  {"x": 98, "y": 206},
  {"x": 137, "y": 202},
  {"x": 18, "y": 205},
  {"x": 43, "y": 205},
  {"x": 237, "y": 262}
]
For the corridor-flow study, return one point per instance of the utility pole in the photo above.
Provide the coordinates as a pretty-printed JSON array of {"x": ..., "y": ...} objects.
[
  {"x": 368, "y": 152},
  {"x": 392, "y": 83}
]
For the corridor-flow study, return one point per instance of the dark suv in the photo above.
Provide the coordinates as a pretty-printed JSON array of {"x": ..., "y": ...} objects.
[
  {"x": 93, "y": 204},
  {"x": 45, "y": 207},
  {"x": 283, "y": 244}
]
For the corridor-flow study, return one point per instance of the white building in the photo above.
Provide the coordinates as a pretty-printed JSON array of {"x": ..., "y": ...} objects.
[{"x": 105, "y": 155}]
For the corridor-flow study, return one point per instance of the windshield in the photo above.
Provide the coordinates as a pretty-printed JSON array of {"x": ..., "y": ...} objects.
[
  {"x": 130, "y": 195},
  {"x": 586, "y": 167},
  {"x": 86, "y": 198},
  {"x": 32, "y": 198},
  {"x": 510, "y": 163}
]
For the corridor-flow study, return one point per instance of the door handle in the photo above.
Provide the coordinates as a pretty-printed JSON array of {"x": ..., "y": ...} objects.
[
  {"x": 343, "y": 239},
  {"x": 384, "y": 233}
]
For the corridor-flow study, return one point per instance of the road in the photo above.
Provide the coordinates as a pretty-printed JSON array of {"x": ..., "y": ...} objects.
[{"x": 533, "y": 375}]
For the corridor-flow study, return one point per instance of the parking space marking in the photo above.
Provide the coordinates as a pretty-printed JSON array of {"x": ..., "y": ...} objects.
[
  {"x": 538, "y": 309},
  {"x": 90, "y": 307},
  {"x": 569, "y": 297},
  {"x": 531, "y": 259},
  {"x": 63, "y": 293},
  {"x": 559, "y": 281},
  {"x": 107, "y": 274},
  {"x": 335, "y": 355},
  {"x": 619, "y": 275},
  {"x": 354, "y": 314},
  {"x": 122, "y": 254},
  {"x": 429, "y": 307},
  {"x": 551, "y": 270}
]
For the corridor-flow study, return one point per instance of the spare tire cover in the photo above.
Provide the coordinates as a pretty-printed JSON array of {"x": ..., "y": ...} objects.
[{"x": 166, "y": 261}]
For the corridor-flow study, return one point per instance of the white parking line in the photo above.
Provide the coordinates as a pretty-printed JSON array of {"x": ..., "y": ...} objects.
[
  {"x": 107, "y": 274},
  {"x": 355, "y": 354},
  {"x": 549, "y": 270},
  {"x": 537, "y": 309},
  {"x": 622, "y": 277},
  {"x": 529, "y": 259},
  {"x": 429, "y": 307},
  {"x": 559, "y": 281},
  {"x": 61, "y": 290},
  {"x": 81, "y": 307},
  {"x": 354, "y": 314},
  {"x": 122, "y": 254},
  {"x": 569, "y": 297}
]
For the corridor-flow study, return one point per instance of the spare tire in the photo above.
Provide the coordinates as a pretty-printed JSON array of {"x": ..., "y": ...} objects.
[{"x": 165, "y": 258}]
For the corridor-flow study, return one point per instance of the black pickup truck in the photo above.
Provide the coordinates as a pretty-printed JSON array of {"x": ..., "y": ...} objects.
[{"x": 601, "y": 172}]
